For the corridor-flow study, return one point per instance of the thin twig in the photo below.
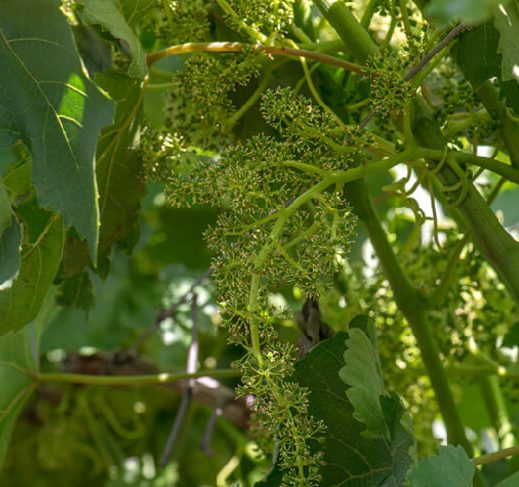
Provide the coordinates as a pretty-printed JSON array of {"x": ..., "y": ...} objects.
[
  {"x": 205, "y": 444},
  {"x": 441, "y": 45},
  {"x": 192, "y": 364}
]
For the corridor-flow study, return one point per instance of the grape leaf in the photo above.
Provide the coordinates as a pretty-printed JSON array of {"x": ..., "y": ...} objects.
[
  {"x": 20, "y": 303},
  {"x": 19, "y": 352},
  {"x": 476, "y": 54},
  {"x": 107, "y": 14},
  {"x": 363, "y": 374},
  {"x": 450, "y": 468},
  {"x": 349, "y": 458},
  {"x": 48, "y": 103},
  {"x": 119, "y": 168},
  {"x": 506, "y": 21}
]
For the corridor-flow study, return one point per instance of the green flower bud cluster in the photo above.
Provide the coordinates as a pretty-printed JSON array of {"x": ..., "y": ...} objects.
[
  {"x": 388, "y": 92},
  {"x": 270, "y": 17},
  {"x": 277, "y": 225},
  {"x": 199, "y": 105},
  {"x": 178, "y": 21}
]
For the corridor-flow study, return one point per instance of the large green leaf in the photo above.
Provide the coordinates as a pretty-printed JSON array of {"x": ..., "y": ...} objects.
[
  {"x": 506, "y": 21},
  {"x": 118, "y": 168},
  {"x": 450, "y": 468},
  {"x": 349, "y": 458},
  {"x": 47, "y": 102},
  {"x": 108, "y": 15},
  {"x": 19, "y": 353},
  {"x": 363, "y": 374},
  {"x": 20, "y": 303}
]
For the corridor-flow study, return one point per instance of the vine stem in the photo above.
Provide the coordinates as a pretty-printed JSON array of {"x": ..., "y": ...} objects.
[
  {"x": 508, "y": 172},
  {"x": 223, "y": 47},
  {"x": 130, "y": 380},
  {"x": 498, "y": 455}
]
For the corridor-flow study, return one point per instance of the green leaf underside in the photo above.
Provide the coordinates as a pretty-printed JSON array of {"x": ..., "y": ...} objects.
[
  {"x": 118, "y": 168},
  {"x": 106, "y": 14},
  {"x": 20, "y": 303},
  {"x": 350, "y": 459},
  {"x": 363, "y": 374},
  {"x": 49, "y": 104},
  {"x": 450, "y": 468},
  {"x": 506, "y": 21}
]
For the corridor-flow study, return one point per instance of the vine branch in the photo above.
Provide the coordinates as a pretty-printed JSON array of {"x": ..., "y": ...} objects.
[{"x": 191, "y": 47}]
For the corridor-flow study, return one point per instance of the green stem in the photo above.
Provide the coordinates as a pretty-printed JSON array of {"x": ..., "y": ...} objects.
[
  {"x": 405, "y": 19},
  {"x": 353, "y": 34},
  {"x": 254, "y": 34},
  {"x": 265, "y": 80},
  {"x": 496, "y": 408},
  {"x": 368, "y": 13},
  {"x": 508, "y": 172},
  {"x": 509, "y": 128},
  {"x": 454, "y": 126},
  {"x": 130, "y": 380},
  {"x": 497, "y": 246}
]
